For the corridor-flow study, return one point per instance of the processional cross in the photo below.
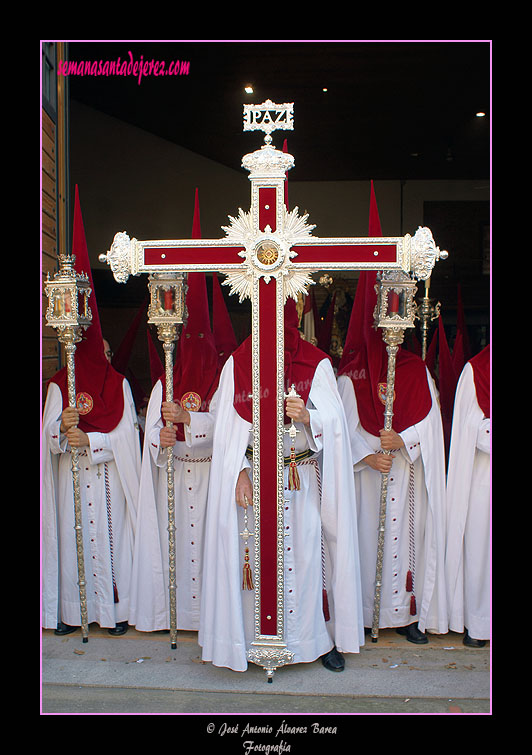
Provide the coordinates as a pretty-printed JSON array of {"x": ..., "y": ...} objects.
[{"x": 268, "y": 255}]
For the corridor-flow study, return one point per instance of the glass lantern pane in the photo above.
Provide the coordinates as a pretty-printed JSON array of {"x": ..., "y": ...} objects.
[
  {"x": 62, "y": 303},
  {"x": 168, "y": 300},
  {"x": 393, "y": 302}
]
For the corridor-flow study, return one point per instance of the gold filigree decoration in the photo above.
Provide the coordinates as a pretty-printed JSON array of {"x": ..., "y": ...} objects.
[{"x": 269, "y": 253}]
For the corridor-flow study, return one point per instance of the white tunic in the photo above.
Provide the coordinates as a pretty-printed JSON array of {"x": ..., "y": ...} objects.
[
  {"x": 325, "y": 503},
  {"x": 467, "y": 561},
  {"x": 150, "y": 592},
  {"x": 415, "y": 504},
  {"x": 109, "y": 479}
]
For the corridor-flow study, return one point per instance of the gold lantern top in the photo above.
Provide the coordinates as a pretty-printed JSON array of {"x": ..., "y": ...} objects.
[
  {"x": 396, "y": 307},
  {"x": 68, "y": 295},
  {"x": 167, "y": 299}
]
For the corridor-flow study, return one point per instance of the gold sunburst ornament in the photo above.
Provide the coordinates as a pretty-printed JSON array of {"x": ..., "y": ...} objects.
[{"x": 269, "y": 254}]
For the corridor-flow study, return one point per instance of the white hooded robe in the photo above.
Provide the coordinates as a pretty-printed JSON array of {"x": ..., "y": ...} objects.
[
  {"x": 418, "y": 471},
  {"x": 325, "y": 502},
  {"x": 192, "y": 460},
  {"x": 467, "y": 561},
  {"x": 109, "y": 479}
]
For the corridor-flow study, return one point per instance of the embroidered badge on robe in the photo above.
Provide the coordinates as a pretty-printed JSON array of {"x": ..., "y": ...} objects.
[
  {"x": 191, "y": 401},
  {"x": 381, "y": 393},
  {"x": 84, "y": 402}
]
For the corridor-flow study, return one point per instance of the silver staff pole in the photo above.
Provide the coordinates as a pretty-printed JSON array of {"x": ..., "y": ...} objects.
[
  {"x": 167, "y": 311},
  {"x": 68, "y": 312},
  {"x": 395, "y": 313},
  {"x": 427, "y": 313}
]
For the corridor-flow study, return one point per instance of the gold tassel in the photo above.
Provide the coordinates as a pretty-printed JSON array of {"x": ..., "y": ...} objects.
[
  {"x": 293, "y": 474},
  {"x": 247, "y": 578}
]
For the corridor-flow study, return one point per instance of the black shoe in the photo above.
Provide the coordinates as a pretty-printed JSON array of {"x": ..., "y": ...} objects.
[
  {"x": 333, "y": 660},
  {"x": 63, "y": 629},
  {"x": 121, "y": 628},
  {"x": 472, "y": 643},
  {"x": 412, "y": 634}
]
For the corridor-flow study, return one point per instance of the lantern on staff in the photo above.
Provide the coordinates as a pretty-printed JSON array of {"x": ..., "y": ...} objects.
[
  {"x": 394, "y": 312},
  {"x": 167, "y": 311},
  {"x": 396, "y": 308},
  {"x": 68, "y": 300},
  {"x": 69, "y": 313}
]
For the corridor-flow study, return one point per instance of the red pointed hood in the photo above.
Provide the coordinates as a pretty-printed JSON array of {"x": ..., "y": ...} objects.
[
  {"x": 325, "y": 331},
  {"x": 99, "y": 391},
  {"x": 224, "y": 335},
  {"x": 481, "y": 372},
  {"x": 196, "y": 369},
  {"x": 458, "y": 357},
  {"x": 430, "y": 358},
  {"x": 447, "y": 381},
  {"x": 365, "y": 359},
  {"x": 156, "y": 366},
  {"x": 122, "y": 355},
  {"x": 462, "y": 327}
]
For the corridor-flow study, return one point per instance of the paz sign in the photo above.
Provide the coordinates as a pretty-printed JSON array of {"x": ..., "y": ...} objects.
[{"x": 267, "y": 255}]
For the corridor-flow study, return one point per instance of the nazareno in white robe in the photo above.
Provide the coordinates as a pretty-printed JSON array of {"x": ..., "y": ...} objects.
[
  {"x": 109, "y": 480},
  {"x": 192, "y": 460},
  {"x": 418, "y": 473},
  {"x": 467, "y": 560},
  {"x": 227, "y": 611}
]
